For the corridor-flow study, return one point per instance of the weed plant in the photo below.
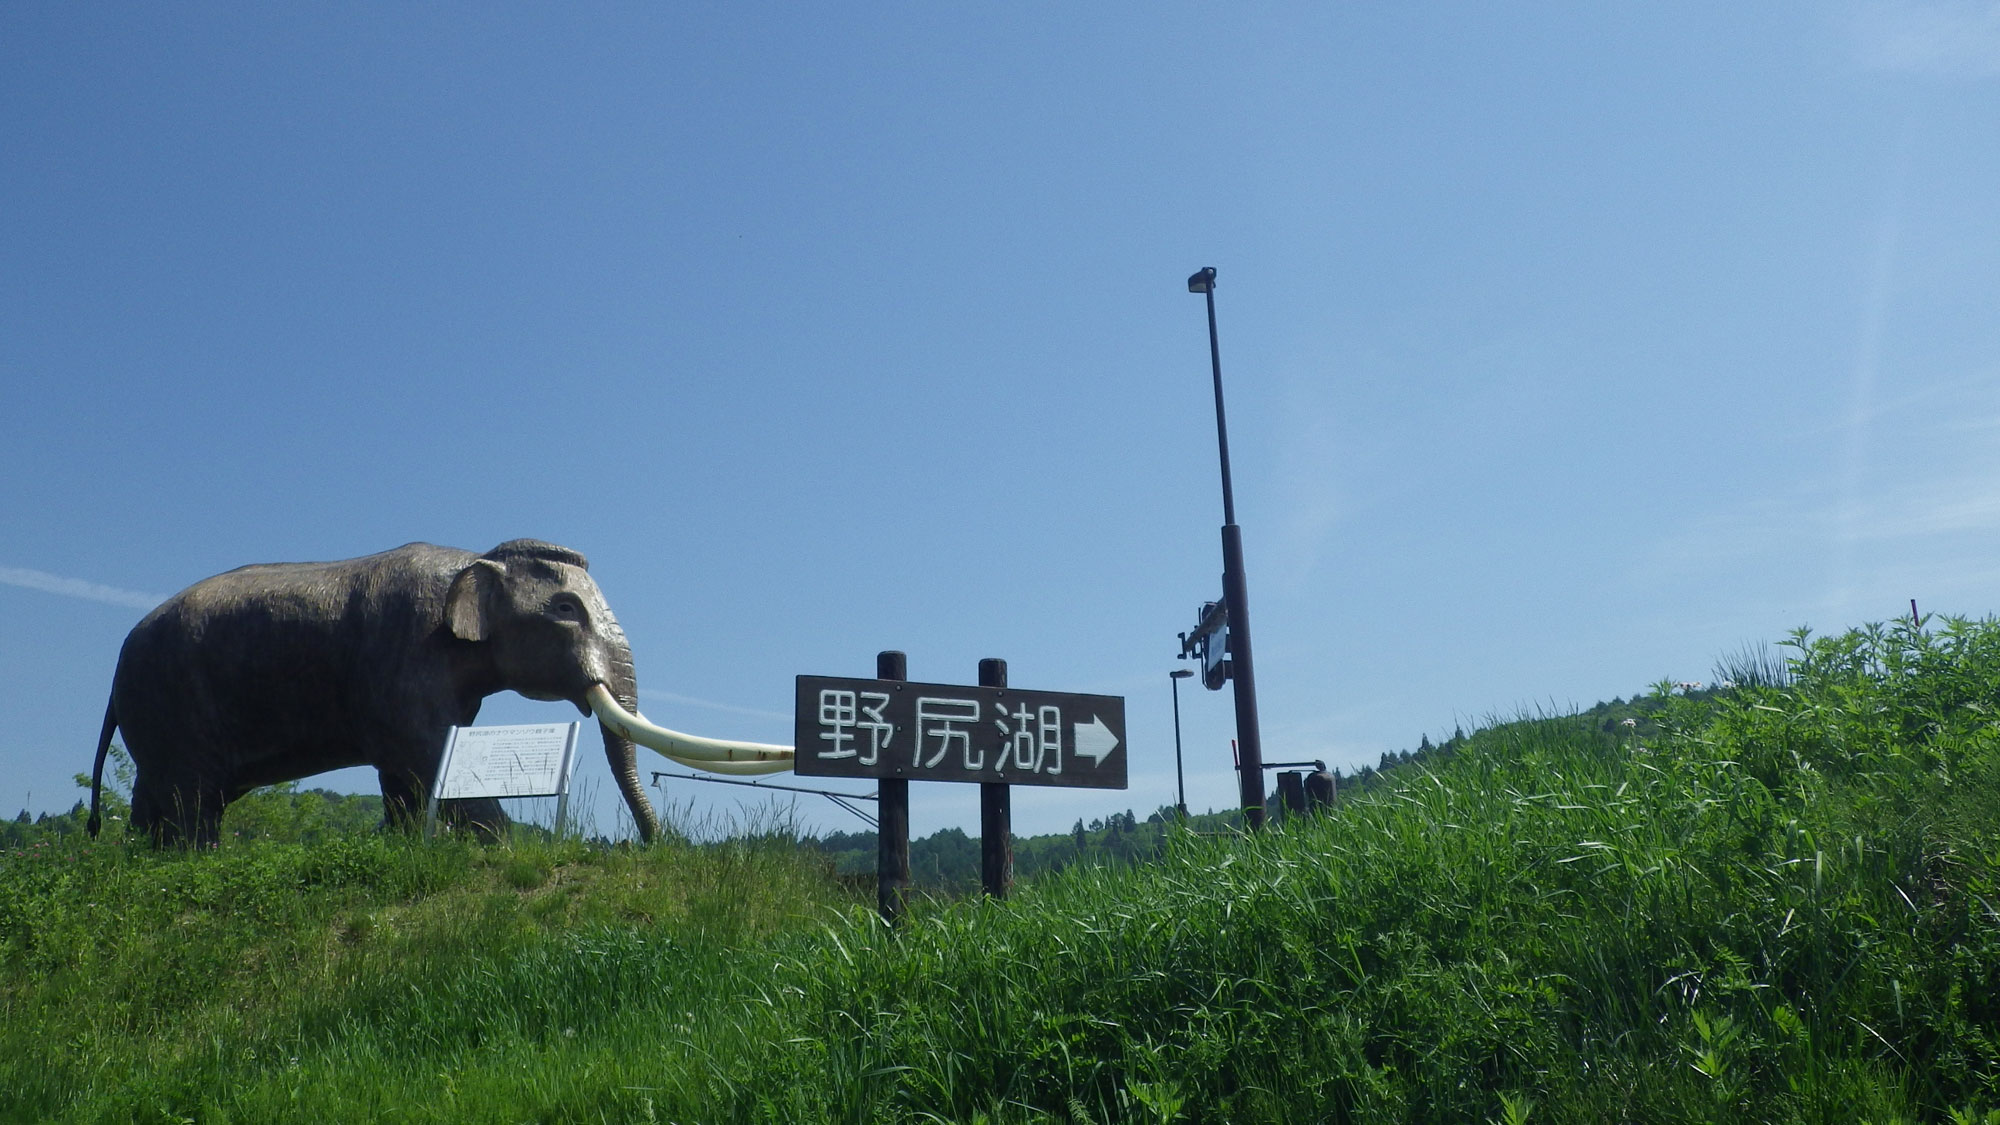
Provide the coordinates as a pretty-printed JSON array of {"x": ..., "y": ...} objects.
[{"x": 1777, "y": 906}]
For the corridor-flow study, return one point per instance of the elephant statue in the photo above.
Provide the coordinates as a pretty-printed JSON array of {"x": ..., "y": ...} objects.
[{"x": 275, "y": 672}]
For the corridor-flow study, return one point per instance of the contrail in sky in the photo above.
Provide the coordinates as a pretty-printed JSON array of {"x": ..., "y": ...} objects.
[
  {"x": 76, "y": 588},
  {"x": 1867, "y": 369},
  {"x": 691, "y": 701}
]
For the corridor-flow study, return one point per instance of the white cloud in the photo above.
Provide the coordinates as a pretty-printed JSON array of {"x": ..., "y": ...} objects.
[
  {"x": 1814, "y": 555},
  {"x": 1959, "y": 39},
  {"x": 76, "y": 588},
  {"x": 1926, "y": 512},
  {"x": 1806, "y": 523}
]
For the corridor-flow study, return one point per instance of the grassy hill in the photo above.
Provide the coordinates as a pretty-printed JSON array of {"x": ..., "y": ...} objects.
[{"x": 1777, "y": 902}]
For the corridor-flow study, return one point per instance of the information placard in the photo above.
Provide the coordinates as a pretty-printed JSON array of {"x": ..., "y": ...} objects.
[{"x": 531, "y": 760}]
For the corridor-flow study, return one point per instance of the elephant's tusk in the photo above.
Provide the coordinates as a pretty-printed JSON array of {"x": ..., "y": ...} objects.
[
  {"x": 692, "y": 750},
  {"x": 737, "y": 768}
]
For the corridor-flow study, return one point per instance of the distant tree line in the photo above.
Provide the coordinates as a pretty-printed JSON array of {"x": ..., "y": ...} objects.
[{"x": 947, "y": 861}]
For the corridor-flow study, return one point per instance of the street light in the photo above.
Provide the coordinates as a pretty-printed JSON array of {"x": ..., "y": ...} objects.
[
  {"x": 1235, "y": 590},
  {"x": 1180, "y": 781}
]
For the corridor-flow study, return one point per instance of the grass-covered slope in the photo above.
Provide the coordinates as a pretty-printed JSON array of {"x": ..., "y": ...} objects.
[{"x": 1780, "y": 905}]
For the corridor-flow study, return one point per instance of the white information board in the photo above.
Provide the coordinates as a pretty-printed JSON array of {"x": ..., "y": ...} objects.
[{"x": 529, "y": 760}]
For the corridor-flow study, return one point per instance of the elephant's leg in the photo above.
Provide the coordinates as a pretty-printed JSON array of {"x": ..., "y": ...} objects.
[
  {"x": 205, "y": 819},
  {"x": 148, "y": 809},
  {"x": 481, "y": 814},
  {"x": 179, "y": 812},
  {"x": 403, "y": 796}
]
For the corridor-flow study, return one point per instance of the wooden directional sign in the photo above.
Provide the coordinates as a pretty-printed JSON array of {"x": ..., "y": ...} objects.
[{"x": 945, "y": 732}]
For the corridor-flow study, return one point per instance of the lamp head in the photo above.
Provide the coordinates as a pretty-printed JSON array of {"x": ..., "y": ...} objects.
[
  {"x": 1181, "y": 673},
  {"x": 1203, "y": 280}
]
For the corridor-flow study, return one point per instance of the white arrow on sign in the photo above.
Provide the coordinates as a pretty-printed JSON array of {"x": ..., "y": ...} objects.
[{"x": 1094, "y": 740}]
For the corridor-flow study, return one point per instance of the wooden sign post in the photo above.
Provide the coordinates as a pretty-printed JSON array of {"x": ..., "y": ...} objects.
[
  {"x": 892, "y": 816},
  {"x": 991, "y": 735},
  {"x": 996, "y": 810}
]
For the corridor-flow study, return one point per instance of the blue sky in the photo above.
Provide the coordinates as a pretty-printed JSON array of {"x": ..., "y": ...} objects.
[{"x": 1568, "y": 348}]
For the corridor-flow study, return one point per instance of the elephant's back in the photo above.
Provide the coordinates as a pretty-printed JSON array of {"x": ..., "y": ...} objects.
[
  {"x": 308, "y": 589},
  {"x": 285, "y": 610},
  {"x": 282, "y": 646}
]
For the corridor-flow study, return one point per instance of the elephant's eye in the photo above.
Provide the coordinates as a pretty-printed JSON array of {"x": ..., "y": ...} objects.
[{"x": 568, "y": 609}]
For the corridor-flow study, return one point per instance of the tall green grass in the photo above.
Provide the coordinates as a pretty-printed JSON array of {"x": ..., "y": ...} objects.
[{"x": 1779, "y": 907}]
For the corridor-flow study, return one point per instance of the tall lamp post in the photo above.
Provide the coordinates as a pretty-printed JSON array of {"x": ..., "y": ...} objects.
[
  {"x": 1235, "y": 592},
  {"x": 1180, "y": 779}
]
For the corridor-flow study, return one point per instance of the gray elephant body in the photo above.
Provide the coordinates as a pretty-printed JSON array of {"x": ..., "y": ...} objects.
[{"x": 275, "y": 672}]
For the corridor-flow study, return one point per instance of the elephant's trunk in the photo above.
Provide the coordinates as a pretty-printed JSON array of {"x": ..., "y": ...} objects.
[{"x": 623, "y": 684}]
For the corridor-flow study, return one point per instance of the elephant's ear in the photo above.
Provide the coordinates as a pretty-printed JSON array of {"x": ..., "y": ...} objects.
[{"x": 467, "y": 607}]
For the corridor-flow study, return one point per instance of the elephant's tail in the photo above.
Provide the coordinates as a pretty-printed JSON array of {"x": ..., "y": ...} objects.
[{"x": 97, "y": 770}]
